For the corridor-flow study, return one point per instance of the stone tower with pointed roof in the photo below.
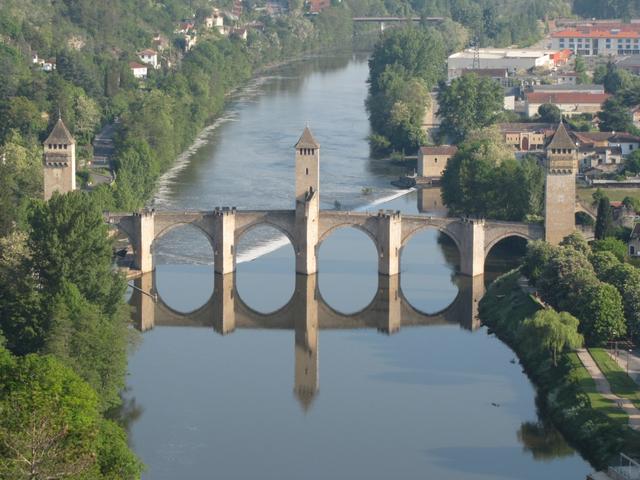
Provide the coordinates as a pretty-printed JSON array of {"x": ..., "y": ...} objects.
[
  {"x": 307, "y": 164},
  {"x": 307, "y": 202},
  {"x": 59, "y": 161},
  {"x": 560, "y": 186}
]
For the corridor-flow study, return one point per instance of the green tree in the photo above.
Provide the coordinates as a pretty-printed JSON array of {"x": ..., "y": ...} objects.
[
  {"x": 69, "y": 243},
  {"x": 611, "y": 244},
  {"x": 632, "y": 162},
  {"x": 51, "y": 427},
  {"x": 604, "y": 219},
  {"x": 615, "y": 116},
  {"x": 602, "y": 314},
  {"x": 577, "y": 242},
  {"x": 551, "y": 331},
  {"x": 580, "y": 68},
  {"x": 469, "y": 103},
  {"x": 549, "y": 113}
]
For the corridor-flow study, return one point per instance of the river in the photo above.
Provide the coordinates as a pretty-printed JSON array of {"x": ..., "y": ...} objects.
[{"x": 410, "y": 385}]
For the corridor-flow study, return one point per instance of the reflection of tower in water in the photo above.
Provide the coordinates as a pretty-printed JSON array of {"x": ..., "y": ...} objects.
[
  {"x": 305, "y": 313},
  {"x": 306, "y": 380}
]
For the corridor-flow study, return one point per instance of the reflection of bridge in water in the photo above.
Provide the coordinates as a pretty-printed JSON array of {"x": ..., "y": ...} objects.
[{"x": 305, "y": 313}]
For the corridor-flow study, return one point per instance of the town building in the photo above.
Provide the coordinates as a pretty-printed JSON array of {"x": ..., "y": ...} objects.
[
  {"x": 634, "y": 241},
  {"x": 215, "y": 20},
  {"x": 240, "y": 33},
  {"x": 609, "y": 38},
  {"x": 568, "y": 88},
  {"x": 433, "y": 160},
  {"x": 511, "y": 59},
  {"x": 526, "y": 137},
  {"x": 631, "y": 64},
  {"x": 603, "y": 152},
  {"x": 567, "y": 78},
  {"x": 569, "y": 103},
  {"x": 150, "y": 57},
  {"x": 317, "y": 6},
  {"x": 59, "y": 161},
  {"x": 190, "y": 41},
  {"x": 635, "y": 114},
  {"x": 500, "y": 75},
  {"x": 139, "y": 70}
]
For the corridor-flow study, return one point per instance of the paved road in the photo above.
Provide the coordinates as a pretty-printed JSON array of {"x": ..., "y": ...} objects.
[
  {"x": 103, "y": 146},
  {"x": 603, "y": 387}
]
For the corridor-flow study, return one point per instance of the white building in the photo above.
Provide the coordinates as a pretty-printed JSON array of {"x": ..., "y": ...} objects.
[
  {"x": 139, "y": 71},
  {"x": 613, "y": 38},
  {"x": 511, "y": 59},
  {"x": 150, "y": 57}
]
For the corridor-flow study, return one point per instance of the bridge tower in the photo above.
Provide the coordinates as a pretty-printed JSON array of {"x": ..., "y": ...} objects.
[
  {"x": 560, "y": 186},
  {"x": 307, "y": 202},
  {"x": 59, "y": 161}
]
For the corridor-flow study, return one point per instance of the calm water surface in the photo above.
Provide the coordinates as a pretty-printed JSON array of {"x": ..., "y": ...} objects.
[{"x": 342, "y": 375}]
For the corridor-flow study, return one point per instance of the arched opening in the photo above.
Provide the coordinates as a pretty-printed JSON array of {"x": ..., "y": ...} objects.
[
  {"x": 265, "y": 268},
  {"x": 428, "y": 266},
  {"x": 348, "y": 269},
  {"x": 504, "y": 255},
  {"x": 183, "y": 261}
]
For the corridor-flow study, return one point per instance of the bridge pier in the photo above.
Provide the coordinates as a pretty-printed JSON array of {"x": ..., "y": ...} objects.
[
  {"x": 472, "y": 247},
  {"x": 389, "y": 242},
  {"x": 143, "y": 302},
  {"x": 306, "y": 233},
  {"x": 224, "y": 226},
  {"x": 471, "y": 290},
  {"x": 144, "y": 224},
  {"x": 224, "y": 313},
  {"x": 306, "y": 380},
  {"x": 388, "y": 307}
]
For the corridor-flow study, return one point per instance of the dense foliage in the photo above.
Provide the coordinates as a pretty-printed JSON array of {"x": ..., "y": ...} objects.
[
  {"x": 566, "y": 280},
  {"x": 484, "y": 179},
  {"x": 565, "y": 389},
  {"x": 469, "y": 103}
]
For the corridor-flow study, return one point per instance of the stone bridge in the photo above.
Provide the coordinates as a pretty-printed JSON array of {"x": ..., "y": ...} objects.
[
  {"x": 307, "y": 227},
  {"x": 389, "y": 232}
]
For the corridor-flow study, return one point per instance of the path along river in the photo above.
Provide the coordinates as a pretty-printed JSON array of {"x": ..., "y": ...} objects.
[{"x": 440, "y": 400}]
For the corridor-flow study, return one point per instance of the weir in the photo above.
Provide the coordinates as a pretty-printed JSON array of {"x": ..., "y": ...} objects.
[{"x": 306, "y": 226}]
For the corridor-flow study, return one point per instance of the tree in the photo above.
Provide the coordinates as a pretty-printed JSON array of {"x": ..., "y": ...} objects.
[
  {"x": 469, "y": 103},
  {"x": 613, "y": 245},
  {"x": 552, "y": 332},
  {"x": 580, "y": 68},
  {"x": 604, "y": 220},
  {"x": 51, "y": 427},
  {"x": 577, "y": 242},
  {"x": 632, "y": 162},
  {"x": 538, "y": 255},
  {"x": 603, "y": 262},
  {"x": 70, "y": 243},
  {"x": 615, "y": 117},
  {"x": 602, "y": 314},
  {"x": 550, "y": 113}
]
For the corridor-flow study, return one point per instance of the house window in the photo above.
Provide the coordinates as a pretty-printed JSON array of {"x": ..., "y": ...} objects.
[
  {"x": 307, "y": 171},
  {"x": 435, "y": 160},
  {"x": 632, "y": 250}
]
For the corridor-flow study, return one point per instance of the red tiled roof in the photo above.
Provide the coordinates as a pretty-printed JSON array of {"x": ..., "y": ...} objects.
[
  {"x": 567, "y": 97},
  {"x": 148, "y": 52},
  {"x": 439, "y": 150},
  {"x": 624, "y": 32},
  {"x": 136, "y": 65}
]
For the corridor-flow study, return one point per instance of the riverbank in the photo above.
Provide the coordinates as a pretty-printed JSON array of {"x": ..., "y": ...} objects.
[{"x": 589, "y": 421}]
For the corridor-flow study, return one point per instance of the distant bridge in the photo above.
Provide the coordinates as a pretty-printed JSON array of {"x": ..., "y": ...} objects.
[{"x": 383, "y": 21}]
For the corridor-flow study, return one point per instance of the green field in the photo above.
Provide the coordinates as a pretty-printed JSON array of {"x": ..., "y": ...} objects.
[{"x": 614, "y": 194}]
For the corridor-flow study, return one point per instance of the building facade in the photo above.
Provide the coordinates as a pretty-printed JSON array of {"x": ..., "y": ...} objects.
[
  {"x": 526, "y": 136},
  {"x": 569, "y": 103},
  {"x": 613, "y": 38},
  {"x": 59, "y": 161},
  {"x": 433, "y": 160}
]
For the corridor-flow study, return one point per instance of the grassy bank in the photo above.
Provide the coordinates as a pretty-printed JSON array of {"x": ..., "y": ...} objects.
[
  {"x": 621, "y": 384},
  {"x": 614, "y": 194},
  {"x": 592, "y": 424}
]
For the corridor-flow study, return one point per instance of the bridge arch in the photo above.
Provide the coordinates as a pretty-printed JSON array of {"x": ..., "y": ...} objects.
[
  {"x": 168, "y": 227},
  {"x": 356, "y": 226},
  {"x": 504, "y": 236},
  {"x": 406, "y": 237}
]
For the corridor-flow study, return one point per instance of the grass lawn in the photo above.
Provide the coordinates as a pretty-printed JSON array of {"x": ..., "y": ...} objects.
[
  {"x": 621, "y": 384},
  {"x": 588, "y": 386},
  {"x": 614, "y": 194}
]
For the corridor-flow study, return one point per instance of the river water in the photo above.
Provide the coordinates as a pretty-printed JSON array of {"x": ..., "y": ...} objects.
[{"x": 226, "y": 380}]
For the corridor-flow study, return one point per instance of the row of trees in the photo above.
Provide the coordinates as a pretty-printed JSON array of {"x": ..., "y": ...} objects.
[
  {"x": 62, "y": 315},
  {"x": 573, "y": 278}
]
